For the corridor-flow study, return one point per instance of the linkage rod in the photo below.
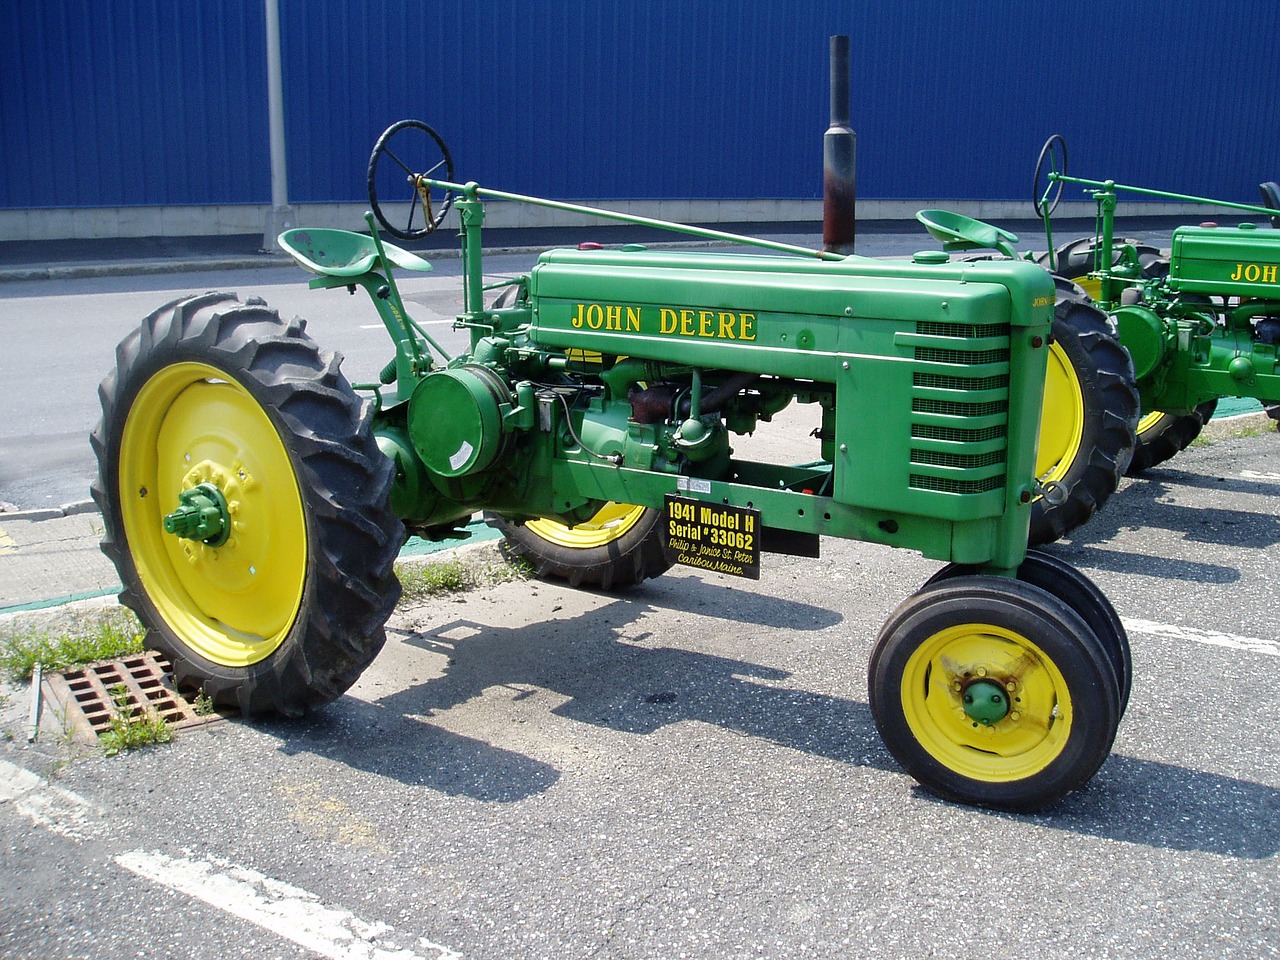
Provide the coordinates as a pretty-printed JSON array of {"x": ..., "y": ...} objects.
[{"x": 474, "y": 190}]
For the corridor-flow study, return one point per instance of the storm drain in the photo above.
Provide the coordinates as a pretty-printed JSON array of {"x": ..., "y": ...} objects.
[{"x": 89, "y": 697}]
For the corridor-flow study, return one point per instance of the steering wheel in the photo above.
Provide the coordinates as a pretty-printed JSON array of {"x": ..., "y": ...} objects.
[
  {"x": 1054, "y": 148},
  {"x": 413, "y": 151}
]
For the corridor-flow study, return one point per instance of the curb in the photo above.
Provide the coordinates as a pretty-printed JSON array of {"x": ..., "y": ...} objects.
[{"x": 52, "y": 513}]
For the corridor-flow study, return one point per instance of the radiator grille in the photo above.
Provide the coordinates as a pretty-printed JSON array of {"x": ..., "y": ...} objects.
[
  {"x": 925, "y": 431},
  {"x": 938, "y": 458},
  {"x": 957, "y": 408},
  {"x": 949, "y": 455},
  {"x": 940, "y": 381},
  {"x": 967, "y": 331},
  {"x": 967, "y": 357},
  {"x": 949, "y": 485}
]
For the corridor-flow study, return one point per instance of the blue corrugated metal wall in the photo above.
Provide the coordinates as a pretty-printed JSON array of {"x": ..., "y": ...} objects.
[{"x": 149, "y": 102}]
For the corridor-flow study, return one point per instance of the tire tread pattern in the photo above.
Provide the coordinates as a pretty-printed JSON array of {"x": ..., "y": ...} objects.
[{"x": 344, "y": 481}]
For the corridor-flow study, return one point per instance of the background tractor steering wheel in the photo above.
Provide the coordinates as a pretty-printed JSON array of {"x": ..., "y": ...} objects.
[{"x": 1055, "y": 151}]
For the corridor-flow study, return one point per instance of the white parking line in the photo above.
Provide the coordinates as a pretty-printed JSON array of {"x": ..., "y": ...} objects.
[
  {"x": 48, "y": 806},
  {"x": 1256, "y": 475},
  {"x": 283, "y": 909},
  {"x": 286, "y": 910},
  {"x": 1213, "y": 638}
]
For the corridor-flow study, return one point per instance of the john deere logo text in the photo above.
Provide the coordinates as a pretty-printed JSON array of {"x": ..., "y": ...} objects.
[
  {"x": 668, "y": 321},
  {"x": 1255, "y": 272}
]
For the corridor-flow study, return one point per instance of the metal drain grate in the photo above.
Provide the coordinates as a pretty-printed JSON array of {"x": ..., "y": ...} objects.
[{"x": 87, "y": 704}]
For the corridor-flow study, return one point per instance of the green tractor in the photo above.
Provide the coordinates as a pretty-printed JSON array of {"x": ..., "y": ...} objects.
[
  {"x": 1144, "y": 343},
  {"x": 255, "y": 501}
]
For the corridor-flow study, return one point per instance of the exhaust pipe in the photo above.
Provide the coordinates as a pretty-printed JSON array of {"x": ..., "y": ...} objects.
[{"x": 839, "y": 160}]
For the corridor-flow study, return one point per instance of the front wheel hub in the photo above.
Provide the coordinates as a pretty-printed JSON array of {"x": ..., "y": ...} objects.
[
  {"x": 201, "y": 515},
  {"x": 985, "y": 702}
]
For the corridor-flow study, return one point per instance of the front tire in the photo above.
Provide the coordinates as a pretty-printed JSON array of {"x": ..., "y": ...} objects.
[
  {"x": 992, "y": 692},
  {"x": 1088, "y": 420},
  {"x": 1066, "y": 583},
  {"x": 286, "y": 609}
]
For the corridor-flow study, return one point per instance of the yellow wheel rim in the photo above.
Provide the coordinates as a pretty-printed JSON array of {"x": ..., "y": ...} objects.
[
  {"x": 612, "y": 521},
  {"x": 234, "y": 604},
  {"x": 1061, "y": 419},
  {"x": 1029, "y": 737},
  {"x": 1091, "y": 285},
  {"x": 1149, "y": 421}
]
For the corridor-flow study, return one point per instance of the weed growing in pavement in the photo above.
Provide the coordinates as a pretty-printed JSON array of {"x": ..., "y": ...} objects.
[
  {"x": 202, "y": 705},
  {"x": 101, "y": 635},
  {"x": 132, "y": 727},
  {"x": 457, "y": 575},
  {"x": 1228, "y": 430}
]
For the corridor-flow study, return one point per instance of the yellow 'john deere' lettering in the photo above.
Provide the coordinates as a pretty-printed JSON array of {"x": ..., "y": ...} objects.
[
  {"x": 608, "y": 316},
  {"x": 712, "y": 324},
  {"x": 1255, "y": 272},
  {"x": 677, "y": 321}
]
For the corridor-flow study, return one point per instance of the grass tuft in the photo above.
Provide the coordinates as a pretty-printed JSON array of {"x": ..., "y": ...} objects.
[
  {"x": 132, "y": 727},
  {"x": 101, "y": 635},
  {"x": 420, "y": 581}
]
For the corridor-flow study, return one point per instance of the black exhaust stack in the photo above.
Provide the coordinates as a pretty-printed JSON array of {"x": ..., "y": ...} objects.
[{"x": 839, "y": 160}]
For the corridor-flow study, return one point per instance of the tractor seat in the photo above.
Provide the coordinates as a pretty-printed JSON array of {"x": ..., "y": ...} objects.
[
  {"x": 1271, "y": 199},
  {"x": 341, "y": 253}
]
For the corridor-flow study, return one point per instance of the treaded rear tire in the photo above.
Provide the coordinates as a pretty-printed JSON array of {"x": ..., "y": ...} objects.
[
  {"x": 276, "y": 376},
  {"x": 624, "y": 561},
  {"x": 1104, "y": 397},
  {"x": 1167, "y": 435}
]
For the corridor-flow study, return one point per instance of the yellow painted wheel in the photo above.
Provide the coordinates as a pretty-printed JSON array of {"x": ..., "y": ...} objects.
[
  {"x": 992, "y": 691},
  {"x": 1087, "y": 420},
  {"x": 1061, "y": 417},
  {"x": 610, "y": 523},
  {"x": 275, "y": 600},
  {"x": 235, "y": 603},
  {"x": 941, "y": 675},
  {"x": 619, "y": 546}
]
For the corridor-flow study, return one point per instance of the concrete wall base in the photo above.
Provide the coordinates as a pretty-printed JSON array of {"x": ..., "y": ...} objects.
[{"x": 232, "y": 219}]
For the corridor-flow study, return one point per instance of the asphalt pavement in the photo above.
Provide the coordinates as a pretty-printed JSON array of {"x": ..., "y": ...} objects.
[{"x": 687, "y": 769}]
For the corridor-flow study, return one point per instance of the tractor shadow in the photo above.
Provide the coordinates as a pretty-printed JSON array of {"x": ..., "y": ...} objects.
[
  {"x": 1146, "y": 504},
  {"x": 603, "y": 669}
]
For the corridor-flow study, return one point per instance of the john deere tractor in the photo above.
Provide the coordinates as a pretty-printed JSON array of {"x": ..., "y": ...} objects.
[
  {"x": 1145, "y": 343},
  {"x": 254, "y": 500}
]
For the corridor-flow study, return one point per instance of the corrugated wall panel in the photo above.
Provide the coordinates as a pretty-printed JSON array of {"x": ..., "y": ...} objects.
[
  {"x": 115, "y": 103},
  {"x": 121, "y": 102}
]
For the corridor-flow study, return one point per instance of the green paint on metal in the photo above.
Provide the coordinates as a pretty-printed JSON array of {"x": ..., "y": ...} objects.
[
  {"x": 985, "y": 702},
  {"x": 201, "y": 515}
]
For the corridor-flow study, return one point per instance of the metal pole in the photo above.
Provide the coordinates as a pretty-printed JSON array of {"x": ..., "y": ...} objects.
[
  {"x": 280, "y": 217},
  {"x": 839, "y": 160}
]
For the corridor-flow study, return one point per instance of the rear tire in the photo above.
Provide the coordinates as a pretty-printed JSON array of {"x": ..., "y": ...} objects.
[
  {"x": 286, "y": 613},
  {"x": 620, "y": 546},
  {"x": 1088, "y": 420},
  {"x": 1162, "y": 435}
]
